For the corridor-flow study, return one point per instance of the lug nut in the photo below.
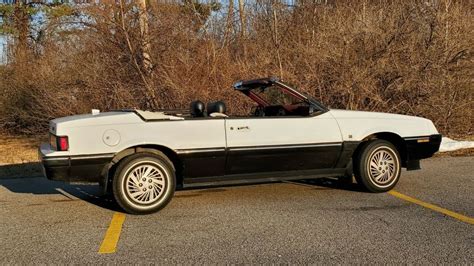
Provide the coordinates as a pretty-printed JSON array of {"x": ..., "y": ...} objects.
[
  {"x": 150, "y": 180},
  {"x": 144, "y": 189},
  {"x": 144, "y": 179},
  {"x": 141, "y": 185},
  {"x": 150, "y": 187}
]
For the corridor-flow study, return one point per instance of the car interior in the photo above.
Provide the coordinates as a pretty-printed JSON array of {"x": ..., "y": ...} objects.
[
  {"x": 271, "y": 101},
  {"x": 218, "y": 109},
  {"x": 282, "y": 110},
  {"x": 214, "y": 109}
]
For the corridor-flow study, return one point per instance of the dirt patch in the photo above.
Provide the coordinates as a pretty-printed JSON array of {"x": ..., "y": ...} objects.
[
  {"x": 458, "y": 153},
  {"x": 19, "y": 149},
  {"x": 19, "y": 156}
]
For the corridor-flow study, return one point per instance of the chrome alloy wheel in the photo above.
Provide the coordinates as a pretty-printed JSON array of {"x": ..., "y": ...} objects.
[
  {"x": 145, "y": 183},
  {"x": 383, "y": 167}
]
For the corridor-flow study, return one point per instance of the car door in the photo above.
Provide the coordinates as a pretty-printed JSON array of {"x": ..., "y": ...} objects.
[{"x": 268, "y": 144}]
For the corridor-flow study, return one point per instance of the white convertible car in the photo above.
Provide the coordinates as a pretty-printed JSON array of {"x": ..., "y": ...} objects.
[{"x": 142, "y": 156}]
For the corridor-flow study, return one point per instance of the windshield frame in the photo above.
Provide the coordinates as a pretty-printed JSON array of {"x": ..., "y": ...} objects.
[{"x": 247, "y": 87}]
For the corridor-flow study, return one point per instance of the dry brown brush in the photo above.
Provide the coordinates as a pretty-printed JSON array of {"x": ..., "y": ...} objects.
[{"x": 409, "y": 57}]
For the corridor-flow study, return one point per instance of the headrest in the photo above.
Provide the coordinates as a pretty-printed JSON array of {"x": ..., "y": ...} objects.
[
  {"x": 216, "y": 107},
  {"x": 197, "y": 109}
]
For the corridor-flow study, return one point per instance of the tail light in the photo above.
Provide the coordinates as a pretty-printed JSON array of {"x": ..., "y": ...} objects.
[{"x": 59, "y": 143}]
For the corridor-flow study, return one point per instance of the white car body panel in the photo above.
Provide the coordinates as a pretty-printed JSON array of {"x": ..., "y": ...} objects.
[
  {"x": 281, "y": 131},
  {"x": 86, "y": 132},
  {"x": 86, "y": 136},
  {"x": 356, "y": 125}
]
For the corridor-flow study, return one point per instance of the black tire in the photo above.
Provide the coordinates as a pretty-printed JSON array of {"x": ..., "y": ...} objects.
[
  {"x": 377, "y": 167},
  {"x": 144, "y": 182}
]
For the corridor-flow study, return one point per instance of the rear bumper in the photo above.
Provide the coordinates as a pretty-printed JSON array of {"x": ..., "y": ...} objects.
[
  {"x": 422, "y": 147},
  {"x": 78, "y": 168}
]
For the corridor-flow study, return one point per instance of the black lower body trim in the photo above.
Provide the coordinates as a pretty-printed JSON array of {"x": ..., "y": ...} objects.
[
  {"x": 220, "y": 161},
  {"x": 348, "y": 149},
  {"x": 255, "y": 178},
  {"x": 422, "y": 147},
  {"x": 242, "y": 160},
  {"x": 203, "y": 162},
  {"x": 75, "y": 168}
]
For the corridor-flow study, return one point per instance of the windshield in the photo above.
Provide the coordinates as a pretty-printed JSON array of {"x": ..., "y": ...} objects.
[
  {"x": 274, "y": 95},
  {"x": 276, "y": 98}
]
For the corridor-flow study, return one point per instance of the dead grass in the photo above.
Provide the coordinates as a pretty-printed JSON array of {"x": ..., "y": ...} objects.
[
  {"x": 458, "y": 153},
  {"x": 19, "y": 150}
]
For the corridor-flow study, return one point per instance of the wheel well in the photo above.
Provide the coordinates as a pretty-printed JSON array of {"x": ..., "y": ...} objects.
[
  {"x": 393, "y": 138},
  {"x": 177, "y": 163}
]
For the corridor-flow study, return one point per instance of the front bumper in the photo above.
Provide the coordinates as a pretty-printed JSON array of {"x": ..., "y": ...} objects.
[
  {"x": 75, "y": 168},
  {"x": 422, "y": 147}
]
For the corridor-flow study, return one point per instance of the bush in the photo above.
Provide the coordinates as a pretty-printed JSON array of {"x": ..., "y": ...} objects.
[{"x": 398, "y": 56}]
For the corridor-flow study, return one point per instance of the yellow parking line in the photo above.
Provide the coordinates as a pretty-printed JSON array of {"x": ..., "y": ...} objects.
[
  {"x": 455, "y": 215},
  {"x": 111, "y": 238}
]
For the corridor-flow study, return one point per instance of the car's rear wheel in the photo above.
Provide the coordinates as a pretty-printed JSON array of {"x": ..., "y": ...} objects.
[
  {"x": 377, "y": 167},
  {"x": 144, "y": 183}
]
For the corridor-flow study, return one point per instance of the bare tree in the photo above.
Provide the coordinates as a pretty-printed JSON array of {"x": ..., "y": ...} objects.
[
  {"x": 230, "y": 21},
  {"x": 146, "y": 46},
  {"x": 144, "y": 69},
  {"x": 21, "y": 24},
  {"x": 243, "y": 26},
  {"x": 276, "y": 40}
]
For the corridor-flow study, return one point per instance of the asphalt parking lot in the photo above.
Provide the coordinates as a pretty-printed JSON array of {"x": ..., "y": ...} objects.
[{"x": 429, "y": 219}]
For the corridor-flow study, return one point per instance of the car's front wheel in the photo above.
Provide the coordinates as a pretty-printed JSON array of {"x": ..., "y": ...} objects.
[
  {"x": 377, "y": 167},
  {"x": 144, "y": 183}
]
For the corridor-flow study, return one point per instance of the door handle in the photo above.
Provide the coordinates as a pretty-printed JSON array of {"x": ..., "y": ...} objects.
[{"x": 242, "y": 128}]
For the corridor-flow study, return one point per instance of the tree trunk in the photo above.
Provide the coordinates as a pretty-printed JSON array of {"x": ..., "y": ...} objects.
[
  {"x": 242, "y": 18},
  {"x": 145, "y": 46},
  {"x": 230, "y": 21},
  {"x": 21, "y": 21},
  {"x": 151, "y": 101},
  {"x": 276, "y": 41}
]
